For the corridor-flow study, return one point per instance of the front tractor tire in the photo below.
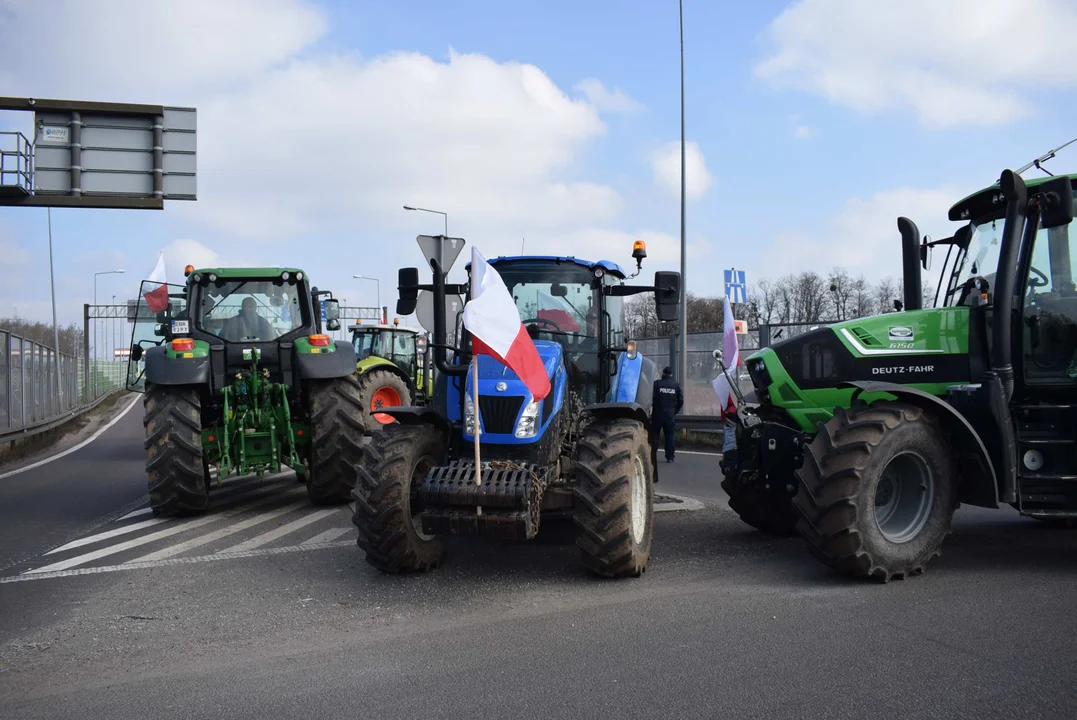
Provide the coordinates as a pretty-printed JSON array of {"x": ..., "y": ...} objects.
[
  {"x": 177, "y": 477},
  {"x": 336, "y": 428},
  {"x": 878, "y": 491},
  {"x": 614, "y": 498},
  {"x": 379, "y": 389},
  {"x": 396, "y": 462}
]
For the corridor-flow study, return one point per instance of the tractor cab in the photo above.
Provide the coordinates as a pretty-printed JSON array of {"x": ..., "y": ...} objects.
[
  {"x": 391, "y": 366},
  {"x": 229, "y": 314},
  {"x": 394, "y": 343}
]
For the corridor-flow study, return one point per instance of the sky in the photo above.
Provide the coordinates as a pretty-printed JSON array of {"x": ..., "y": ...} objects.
[{"x": 551, "y": 125}]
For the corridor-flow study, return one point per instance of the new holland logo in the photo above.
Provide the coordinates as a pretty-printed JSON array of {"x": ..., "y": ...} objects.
[{"x": 902, "y": 334}]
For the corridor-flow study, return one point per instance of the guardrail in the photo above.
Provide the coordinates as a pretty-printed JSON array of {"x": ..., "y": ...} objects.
[{"x": 40, "y": 388}]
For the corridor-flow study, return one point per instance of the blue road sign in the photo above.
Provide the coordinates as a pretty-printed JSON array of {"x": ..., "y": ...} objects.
[{"x": 736, "y": 287}]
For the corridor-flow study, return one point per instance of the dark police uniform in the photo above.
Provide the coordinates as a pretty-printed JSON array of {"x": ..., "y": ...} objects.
[{"x": 668, "y": 401}]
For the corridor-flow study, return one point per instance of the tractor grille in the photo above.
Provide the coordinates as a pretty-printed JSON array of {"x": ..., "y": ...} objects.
[{"x": 499, "y": 412}]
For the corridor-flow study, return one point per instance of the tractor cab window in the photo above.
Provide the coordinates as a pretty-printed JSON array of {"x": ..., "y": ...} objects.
[
  {"x": 249, "y": 310},
  {"x": 1049, "y": 308},
  {"x": 980, "y": 260},
  {"x": 397, "y": 346},
  {"x": 561, "y": 302}
]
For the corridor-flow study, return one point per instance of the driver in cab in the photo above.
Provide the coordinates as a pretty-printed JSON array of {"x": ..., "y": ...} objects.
[{"x": 248, "y": 324}]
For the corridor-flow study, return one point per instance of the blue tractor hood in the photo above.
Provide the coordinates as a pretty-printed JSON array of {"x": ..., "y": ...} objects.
[
  {"x": 491, "y": 369},
  {"x": 503, "y": 396}
]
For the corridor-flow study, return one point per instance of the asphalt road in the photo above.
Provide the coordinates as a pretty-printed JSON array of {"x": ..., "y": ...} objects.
[{"x": 268, "y": 610}]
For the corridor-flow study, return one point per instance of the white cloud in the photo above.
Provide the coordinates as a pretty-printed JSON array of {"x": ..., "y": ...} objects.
[
  {"x": 800, "y": 130},
  {"x": 863, "y": 236},
  {"x": 666, "y": 164},
  {"x": 147, "y": 52},
  {"x": 945, "y": 59},
  {"x": 605, "y": 100}
]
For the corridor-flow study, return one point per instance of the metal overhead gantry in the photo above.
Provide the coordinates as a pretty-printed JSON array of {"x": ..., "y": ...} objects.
[{"x": 98, "y": 155}]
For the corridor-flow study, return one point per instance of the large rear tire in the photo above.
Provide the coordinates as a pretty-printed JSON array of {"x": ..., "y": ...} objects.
[
  {"x": 878, "y": 490},
  {"x": 614, "y": 498},
  {"x": 336, "y": 429},
  {"x": 396, "y": 462},
  {"x": 381, "y": 388},
  {"x": 177, "y": 479}
]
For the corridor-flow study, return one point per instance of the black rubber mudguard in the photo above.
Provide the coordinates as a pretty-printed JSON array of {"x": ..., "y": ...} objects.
[
  {"x": 325, "y": 366},
  {"x": 163, "y": 370}
]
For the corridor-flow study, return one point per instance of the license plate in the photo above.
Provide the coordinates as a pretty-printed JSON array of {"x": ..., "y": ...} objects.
[{"x": 181, "y": 326}]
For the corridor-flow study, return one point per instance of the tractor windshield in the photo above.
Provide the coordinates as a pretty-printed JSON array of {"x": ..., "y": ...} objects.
[
  {"x": 250, "y": 310},
  {"x": 560, "y": 301},
  {"x": 397, "y": 346}
]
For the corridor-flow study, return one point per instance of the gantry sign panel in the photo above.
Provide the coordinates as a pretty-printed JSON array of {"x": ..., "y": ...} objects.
[{"x": 90, "y": 154}]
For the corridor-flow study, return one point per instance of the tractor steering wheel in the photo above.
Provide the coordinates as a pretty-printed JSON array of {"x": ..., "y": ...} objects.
[
  {"x": 544, "y": 321},
  {"x": 1031, "y": 281}
]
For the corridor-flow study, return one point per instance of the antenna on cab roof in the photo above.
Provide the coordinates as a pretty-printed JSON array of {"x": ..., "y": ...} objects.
[{"x": 1038, "y": 162}]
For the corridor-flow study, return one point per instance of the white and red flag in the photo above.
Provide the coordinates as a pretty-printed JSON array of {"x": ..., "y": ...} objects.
[
  {"x": 157, "y": 299},
  {"x": 494, "y": 323},
  {"x": 731, "y": 358}
]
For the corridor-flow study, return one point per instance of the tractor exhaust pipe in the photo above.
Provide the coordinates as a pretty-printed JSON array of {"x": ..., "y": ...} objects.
[
  {"x": 1016, "y": 196},
  {"x": 910, "y": 261}
]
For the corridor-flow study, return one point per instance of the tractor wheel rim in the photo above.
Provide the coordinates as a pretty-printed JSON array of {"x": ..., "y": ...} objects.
[
  {"x": 904, "y": 497},
  {"x": 384, "y": 397},
  {"x": 418, "y": 474},
  {"x": 638, "y": 502}
]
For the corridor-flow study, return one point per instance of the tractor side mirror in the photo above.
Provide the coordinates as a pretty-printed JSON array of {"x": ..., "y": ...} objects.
[
  {"x": 332, "y": 310},
  {"x": 925, "y": 254},
  {"x": 136, "y": 353},
  {"x": 408, "y": 286},
  {"x": 1058, "y": 209},
  {"x": 667, "y": 294}
]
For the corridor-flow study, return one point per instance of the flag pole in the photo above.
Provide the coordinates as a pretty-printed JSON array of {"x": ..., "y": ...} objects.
[{"x": 478, "y": 420}]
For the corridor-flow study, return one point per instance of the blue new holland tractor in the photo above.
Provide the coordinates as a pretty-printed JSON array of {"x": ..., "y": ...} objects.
[{"x": 586, "y": 451}]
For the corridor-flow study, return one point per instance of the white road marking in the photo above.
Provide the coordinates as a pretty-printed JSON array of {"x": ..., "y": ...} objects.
[
  {"x": 268, "y": 537},
  {"x": 109, "y": 534},
  {"x": 136, "y": 513},
  {"x": 686, "y": 504},
  {"x": 327, "y": 536},
  {"x": 153, "y": 537},
  {"x": 697, "y": 452},
  {"x": 81, "y": 445},
  {"x": 218, "y": 534},
  {"x": 174, "y": 561}
]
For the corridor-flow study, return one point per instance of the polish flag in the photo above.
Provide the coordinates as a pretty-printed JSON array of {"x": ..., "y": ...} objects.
[
  {"x": 157, "y": 299},
  {"x": 494, "y": 323},
  {"x": 731, "y": 358}
]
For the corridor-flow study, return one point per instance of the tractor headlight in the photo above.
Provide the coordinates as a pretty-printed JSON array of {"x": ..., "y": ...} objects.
[
  {"x": 528, "y": 423},
  {"x": 213, "y": 277},
  {"x": 469, "y": 415}
]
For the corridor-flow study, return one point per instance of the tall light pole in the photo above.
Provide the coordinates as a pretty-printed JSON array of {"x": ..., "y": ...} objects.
[
  {"x": 436, "y": 212},
  {"x": 377, "y": 283},
  {"x": 682, "y": 361},
  {"x": 96, "y": 350}
]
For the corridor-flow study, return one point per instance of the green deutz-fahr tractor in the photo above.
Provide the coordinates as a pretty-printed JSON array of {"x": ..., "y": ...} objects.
[
  {"x": 238, "y": 375},
  {"x": 866, "y": 435},
  {"x": 391, "y": 368}
]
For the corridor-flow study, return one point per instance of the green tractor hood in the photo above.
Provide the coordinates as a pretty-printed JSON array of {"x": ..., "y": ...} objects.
[{"x": 926, "y": 349}]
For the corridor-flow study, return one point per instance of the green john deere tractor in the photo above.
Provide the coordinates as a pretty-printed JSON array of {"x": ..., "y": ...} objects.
[
  {"x": 865, "y": 436},
  {"x": 391, "y": 368},
  {"x": 238, "y": 375}
]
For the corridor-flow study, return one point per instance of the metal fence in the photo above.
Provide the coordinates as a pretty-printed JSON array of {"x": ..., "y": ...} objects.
[{"x": 37, "y": 385}]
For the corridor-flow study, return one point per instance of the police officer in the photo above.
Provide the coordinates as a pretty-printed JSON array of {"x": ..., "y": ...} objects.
[{"x": 668, "y": 401}]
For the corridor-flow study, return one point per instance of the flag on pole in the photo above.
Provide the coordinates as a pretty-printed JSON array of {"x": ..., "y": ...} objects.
[
  {"x": 157, "y": 299},
  {"x": 731, "y": 358},
  {"x": 493, "y": 321}
]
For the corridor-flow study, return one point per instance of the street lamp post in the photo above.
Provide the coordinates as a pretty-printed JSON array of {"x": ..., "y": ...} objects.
[
  {"x": 96, "y": 350},
  {"x": 436, "y": 212},
  {"x": 682, "y": 361},
  {"x": 377, "y": 284}
]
